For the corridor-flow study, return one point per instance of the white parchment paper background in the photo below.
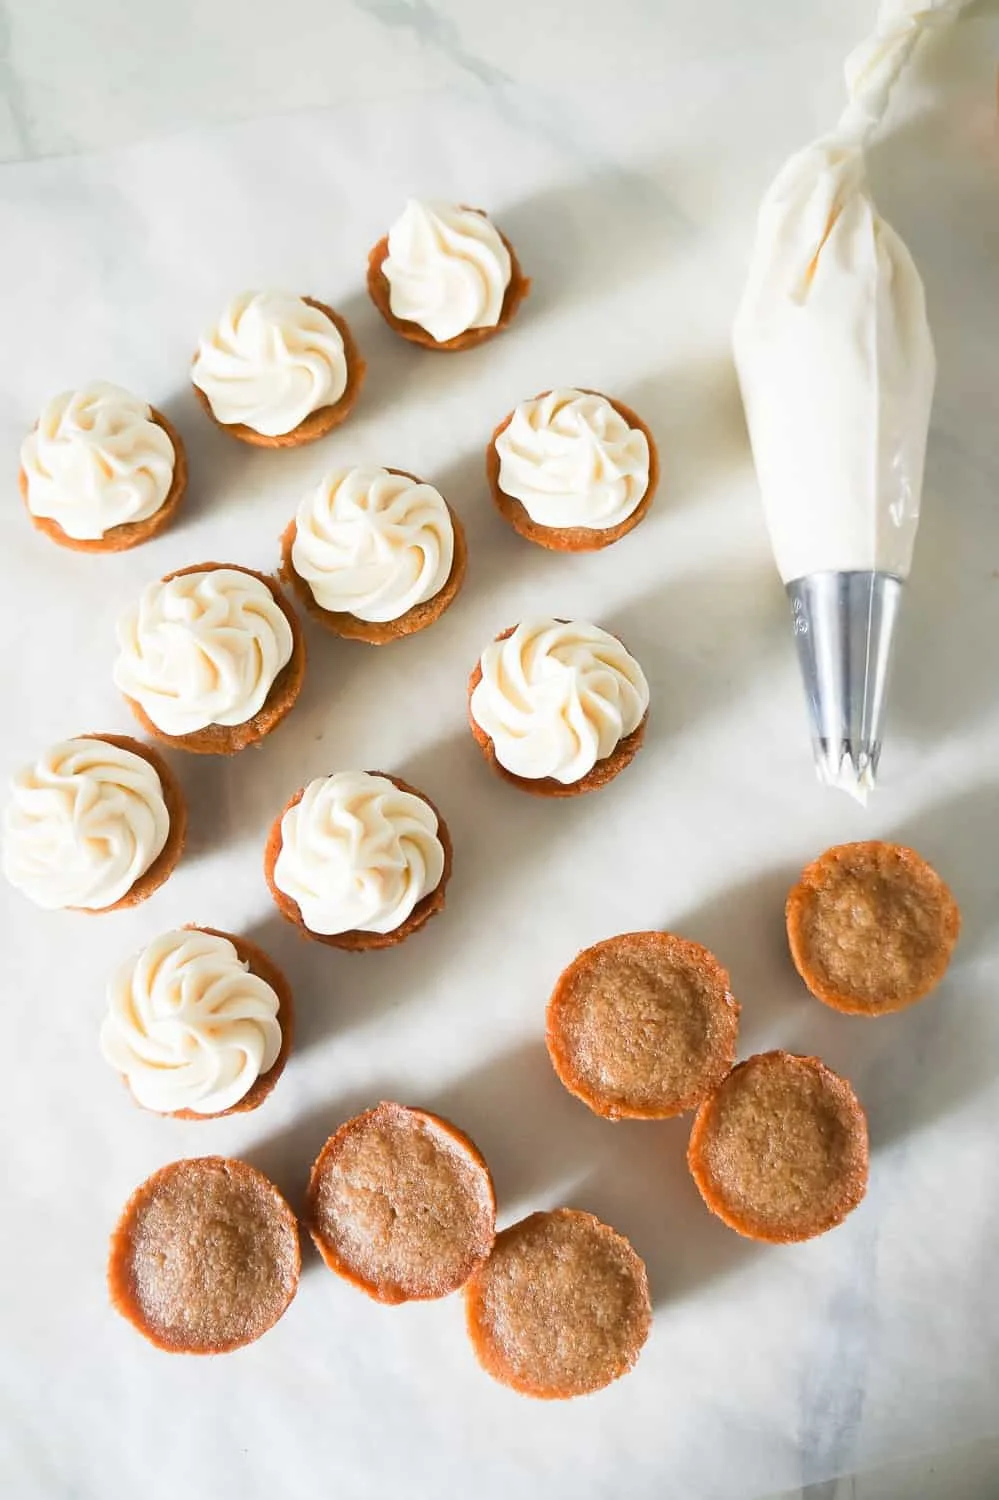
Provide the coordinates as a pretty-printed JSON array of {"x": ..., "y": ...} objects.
[{"x": 766, "y": 1368}]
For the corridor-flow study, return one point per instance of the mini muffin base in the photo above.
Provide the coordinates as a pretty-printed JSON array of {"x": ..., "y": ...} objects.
[
  {"x": 378, "y": 633},
  {"x": 264, "y": 968},
  {"x": 130, "y": 533},
  {"x": 604, "y": 771},
  {"x": 319, "y": 422},
  {"x": 229, "y": 739},
  {"x": 121, "y": 1289},
  {"x": 487, "y": 1347},
  {"x": 571, "y": 538},
  {"x": 166, "y": 861},
  {"x": 384, "y": 1291},
  {"x": 712, "y": 1069},
  {"x": 752, "y": 1225},
  {"x": 874, "y": 853},
  {"x": 380, "y": 293},
  {"x": 356, "y": 941}
]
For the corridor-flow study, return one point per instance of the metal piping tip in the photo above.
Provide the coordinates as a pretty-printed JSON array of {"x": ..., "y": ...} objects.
[
  {"x": 848, "y": 769},
  {"x": 844, "y": 625}
]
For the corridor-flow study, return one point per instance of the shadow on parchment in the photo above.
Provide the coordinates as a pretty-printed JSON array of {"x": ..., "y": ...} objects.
[
  {"x": 287, "y": 1155},
  {"x": 224, "y": 473},
  {"x": 546, "y": 1150},
  {"x": 910, "y": 1069},
  {"x": 620, "y": 223},
  {"x": 703, "y": 638},
  {"x": 743, "y": 925},
  {"x": 938, "y": 1055},
  {"x": 914, "y": 1068},
  {"x": 496, "y": 830},
  {"x": 934, "y": 178},
  {"x": 695, "y": 413}
]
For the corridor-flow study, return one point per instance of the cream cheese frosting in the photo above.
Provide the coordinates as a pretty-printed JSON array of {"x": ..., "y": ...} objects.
[
  {"x": 96, "y": 460},
  {"x": 557, "y": 696},
  {"x": 189, "y": 1026},
  {"x": 202, "y": 648},
  {"x": 269, "y": 362},
  {"x": 358, "y": 854},
  {"x": 832, "y": 341},
  {"x": 447, "y": 269},
  {"x": 571, "y": 459},
  {"x": 837, "y": 370},
  {"x": 373, "y": 544},
  {"x": 83, "y": 824}
]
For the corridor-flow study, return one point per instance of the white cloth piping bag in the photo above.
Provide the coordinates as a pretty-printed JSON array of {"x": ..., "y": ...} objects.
[{"x": 836, "y": 365}]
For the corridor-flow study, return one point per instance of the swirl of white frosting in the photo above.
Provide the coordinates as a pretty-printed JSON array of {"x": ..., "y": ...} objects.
[
  {"x": 571, "y": 459},
  {"x": 357, "y": 854},
  {"x": 84, "y": 823},
  {"x": 189, "y": 1026},
  {"x": 202, "y": 648},
  {"x": 557, "y": 696},
  {"x": 447, "y": 269},
  {"x": 269, "y": 361},
  {"x": 372, "y": 543},
  {"x": 96, "y": 460}
]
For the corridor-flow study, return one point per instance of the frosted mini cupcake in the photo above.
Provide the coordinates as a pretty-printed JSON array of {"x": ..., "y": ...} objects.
[
  {"x": 445, "y": 277},
  {"x": 358, "y": 860},
  {"x": 211, "y": 658},
  {"x": 199, "y": 1024},
  {"x": 97, "y": 823},
  {"x": 278, "y": 370},
  {"x": 572, "y": 470},
  {"x": 101, "y": 471},
  {"x": 374, "y": 554},
  {"x": 558, "y": 707}
]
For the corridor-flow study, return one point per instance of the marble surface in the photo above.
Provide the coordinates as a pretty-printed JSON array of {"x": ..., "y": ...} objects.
[
  {"x": 82, "y": 77},
  {"x": 623, "y": 150}
]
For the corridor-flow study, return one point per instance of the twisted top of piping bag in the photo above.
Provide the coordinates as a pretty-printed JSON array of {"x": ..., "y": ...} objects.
[{"x": 873, "y": 67}]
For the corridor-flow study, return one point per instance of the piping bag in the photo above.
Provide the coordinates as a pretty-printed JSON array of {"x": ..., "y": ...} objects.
[{"x": 836, "y": 366}]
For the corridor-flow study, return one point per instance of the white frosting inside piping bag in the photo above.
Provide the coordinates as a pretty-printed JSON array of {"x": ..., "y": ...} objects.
[{"x": 832, "y": 342}]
